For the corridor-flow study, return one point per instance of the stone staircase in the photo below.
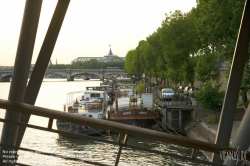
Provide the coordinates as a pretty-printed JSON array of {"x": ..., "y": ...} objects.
[{"x": 239, "y": 113}]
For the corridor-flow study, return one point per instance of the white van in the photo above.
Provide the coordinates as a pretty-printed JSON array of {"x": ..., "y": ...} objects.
[{"x": 167, "y": 94}]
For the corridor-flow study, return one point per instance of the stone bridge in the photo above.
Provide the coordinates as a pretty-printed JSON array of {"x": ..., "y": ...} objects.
[{"x": 71, "y": 73}]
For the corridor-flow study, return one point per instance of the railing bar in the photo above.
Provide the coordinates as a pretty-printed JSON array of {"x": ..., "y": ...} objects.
[
  {"x": 119, "y": 137},
  {"x": 118, "y": 155},
  {"x": 183, "y": 158},
  {"x": 116, "y": 127},
  {"x": 194, "y": 153},
  {"x": 22, "y": 164},
  {"x": 52, "y": 154},
  {"x": 103, "y": 140},
  {"x": 73, "y": 134},
  {"x": 125, "y": 139},
  {"x": 121, "y": 144},
  {"x": 128, "y": 146},
  {"x": 50, "y": 123},
  {"x": 59, "y": 132}
]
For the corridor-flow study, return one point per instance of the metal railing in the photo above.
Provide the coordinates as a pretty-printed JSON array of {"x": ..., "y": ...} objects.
[{"x": 124, "y": 132}]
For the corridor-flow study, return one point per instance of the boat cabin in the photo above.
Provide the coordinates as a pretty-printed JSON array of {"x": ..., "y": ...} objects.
[
  {"x": 94, "y": 95},
  {"x": 97, "y": 88},
  {"x": 77, "y": 100}
]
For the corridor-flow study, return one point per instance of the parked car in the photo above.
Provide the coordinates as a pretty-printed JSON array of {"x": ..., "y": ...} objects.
[
  {"x": 180, "y": 89},
  {"x": 167, "y": 94}
]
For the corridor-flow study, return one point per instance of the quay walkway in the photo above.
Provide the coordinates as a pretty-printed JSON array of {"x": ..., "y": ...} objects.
[
  {"x": 236, "y": 125},
  {"x": 203, "y": 131}
]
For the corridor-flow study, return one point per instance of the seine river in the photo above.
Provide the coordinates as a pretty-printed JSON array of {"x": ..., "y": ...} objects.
[{"x": 53, "y": 95}]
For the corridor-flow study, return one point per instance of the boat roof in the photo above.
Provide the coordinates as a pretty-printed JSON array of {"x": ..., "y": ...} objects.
[
  {"x": 93, "y": 102},
  {"x": 96, "y": 88},
  {"x": 146, "y": 97},
  {"x": 86, "y": 91},
  {"x": 94, "y": 91},
  {"x": 127, "y": 84},
  {"x": 123, "y": 79}
]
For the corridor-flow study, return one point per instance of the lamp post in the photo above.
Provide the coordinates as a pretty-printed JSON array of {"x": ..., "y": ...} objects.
[
  {"x": 150, "y": 82},
  {"x": 102, "y": 74}
]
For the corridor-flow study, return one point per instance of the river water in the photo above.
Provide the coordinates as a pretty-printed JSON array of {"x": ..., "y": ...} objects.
[{"x": 53, "y": 95}]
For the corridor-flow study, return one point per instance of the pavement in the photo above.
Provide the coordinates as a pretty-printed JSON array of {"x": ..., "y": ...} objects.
[{"x": 236, "y": 125}]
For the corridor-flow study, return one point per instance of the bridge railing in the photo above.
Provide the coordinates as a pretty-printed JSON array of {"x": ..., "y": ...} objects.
[{"x": 123, "y": 130}]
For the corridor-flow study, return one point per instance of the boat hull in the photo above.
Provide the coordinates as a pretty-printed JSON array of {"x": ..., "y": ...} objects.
[
  {"x": 141, "y": 118},
  {"x": 77, "y": 128}
]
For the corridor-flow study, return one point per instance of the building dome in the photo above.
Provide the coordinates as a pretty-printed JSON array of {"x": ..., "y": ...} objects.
[
  {"x": 106, "y": 58},
  {"x": 111, "y": 58}
]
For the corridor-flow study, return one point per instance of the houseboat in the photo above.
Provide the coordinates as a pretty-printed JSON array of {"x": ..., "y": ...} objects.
[
  {"x": 132, "y": 109},
  {"x": 89, "y": 103}
]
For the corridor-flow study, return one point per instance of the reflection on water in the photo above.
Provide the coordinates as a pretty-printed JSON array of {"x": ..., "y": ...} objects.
[
  {"x": 53, "y": 95},
  {"x": 106, "y": 153}
]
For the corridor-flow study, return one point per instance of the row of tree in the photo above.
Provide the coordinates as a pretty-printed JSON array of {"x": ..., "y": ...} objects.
[
  {"x": 189, "y": 45},
  {"x": 91, "y": 64}
]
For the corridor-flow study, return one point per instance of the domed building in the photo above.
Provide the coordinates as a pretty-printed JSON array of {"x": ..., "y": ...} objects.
[{"x": 106, "y": 58}]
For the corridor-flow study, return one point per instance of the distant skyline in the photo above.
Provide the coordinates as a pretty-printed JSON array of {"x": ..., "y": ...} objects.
[{"x": 90, "y": 27}]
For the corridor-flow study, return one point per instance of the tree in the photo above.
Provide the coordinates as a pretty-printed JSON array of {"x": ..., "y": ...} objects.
[
  {"x": 206, "y": 66},
  {"x": 129, "y": 61},
  {"x": 140, "y": 87},
  {"x": 217, "y": 23},
  {"x": 210, "y": 97},
  {"x": 180, "y": 41},
  {"x": 147, "y": 59},
  {"x": 189, "y": 68},
  {"x": 159, "y": 69},
  {"x": 245, "y": 84}
]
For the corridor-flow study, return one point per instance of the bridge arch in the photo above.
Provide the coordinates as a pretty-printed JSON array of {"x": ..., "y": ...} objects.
[
  {"x": 88, "y": 74},
  {"x": 5, "y": 78},
  {"x": 71, "y": 73}
]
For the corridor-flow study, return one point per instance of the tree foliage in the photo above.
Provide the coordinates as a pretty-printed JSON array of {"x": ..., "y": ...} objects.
[
  {"x": 157, "y": 70},
  {"x": 189, "y": 45},
  {"x": 91, "y": 64},
  {"x": 206, "y": 66},
  {"x": 210, "y": 97},
  {"x": 245, "y": 83},
  {"x": 128, "y": 65},
  {"x": 140, "y": 87},
  {"x": 179, "y": 41}
]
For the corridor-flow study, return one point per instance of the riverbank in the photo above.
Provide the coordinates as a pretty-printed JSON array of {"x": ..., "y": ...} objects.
[{"x": 203, "y": 131}]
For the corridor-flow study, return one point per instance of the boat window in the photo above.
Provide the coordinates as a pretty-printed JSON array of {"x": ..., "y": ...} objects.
[
  {"x": 94, "y": 106},
  {"x": 95, "y": 95},
  {"x": 168, "y": 91}
]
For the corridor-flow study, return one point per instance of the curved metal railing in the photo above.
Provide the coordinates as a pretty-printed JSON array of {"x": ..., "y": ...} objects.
[{"x": 123, "y": 130}]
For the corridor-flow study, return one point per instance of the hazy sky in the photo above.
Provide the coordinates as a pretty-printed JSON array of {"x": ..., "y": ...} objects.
[{"x": 89, "y": 27}]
